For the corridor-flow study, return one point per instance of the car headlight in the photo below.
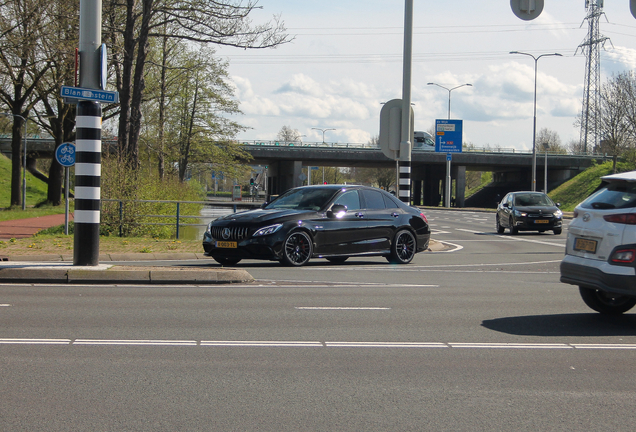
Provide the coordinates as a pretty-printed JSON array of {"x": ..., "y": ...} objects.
[
  {"x": 558, "y": 214},
  {"x": 267, "y": 230},
  {"x": 208, "y": 231},
  {"x": 520, "y": 214}
]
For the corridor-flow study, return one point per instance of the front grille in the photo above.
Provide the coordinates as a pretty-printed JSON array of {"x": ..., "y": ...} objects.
[
  {"x": 236, "y": 233},
  {"x": 540, "y": 215}
]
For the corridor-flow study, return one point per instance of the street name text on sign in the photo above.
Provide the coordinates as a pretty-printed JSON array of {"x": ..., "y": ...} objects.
[{"x": 75, "y": 94}]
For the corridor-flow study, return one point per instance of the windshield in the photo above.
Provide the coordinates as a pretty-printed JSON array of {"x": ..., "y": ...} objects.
[
  {"x": 532, "y": 199},
  {"x": 616, "y": 195},
  {"x": 308, "y": 198}
]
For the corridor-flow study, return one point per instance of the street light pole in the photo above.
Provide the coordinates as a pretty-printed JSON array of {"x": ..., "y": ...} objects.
[
  {"x": 449, "y": 93},
  {"x": 323, "y": 132},
  {"x": 534, "y": 123},
  {"x": 546, "y": 146},
  {"x": 24, "y": 159}
]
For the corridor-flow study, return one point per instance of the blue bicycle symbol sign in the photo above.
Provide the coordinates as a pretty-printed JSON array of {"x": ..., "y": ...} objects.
[{"x": 65, "y": 154}]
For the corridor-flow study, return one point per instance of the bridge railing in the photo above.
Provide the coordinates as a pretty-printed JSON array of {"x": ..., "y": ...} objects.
[{"x": 369, "y": 146}]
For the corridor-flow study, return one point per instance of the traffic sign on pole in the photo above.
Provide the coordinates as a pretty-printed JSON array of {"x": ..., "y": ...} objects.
[
  {"x": 76, "y": 94},
  {"x": 65, "y": 154}
]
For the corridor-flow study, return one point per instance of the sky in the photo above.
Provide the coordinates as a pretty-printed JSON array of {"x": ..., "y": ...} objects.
[{"x": 346, "y": 59}]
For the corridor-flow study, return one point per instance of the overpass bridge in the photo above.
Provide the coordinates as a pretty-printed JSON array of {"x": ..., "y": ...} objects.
[{"x": 512, "y": 169}]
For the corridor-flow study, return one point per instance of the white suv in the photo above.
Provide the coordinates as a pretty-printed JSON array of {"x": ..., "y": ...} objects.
[{"x": 600, "y": 253}]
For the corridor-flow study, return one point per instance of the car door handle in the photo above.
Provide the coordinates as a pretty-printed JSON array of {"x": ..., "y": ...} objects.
[
  {"x": 394, "y": 214},
  {"x": 359, "y": 215}
]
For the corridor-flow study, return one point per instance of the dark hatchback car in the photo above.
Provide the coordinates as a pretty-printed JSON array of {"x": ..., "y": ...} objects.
[
  {"x": 528, "y": 211},
  {"x": 333, "y": 222}
]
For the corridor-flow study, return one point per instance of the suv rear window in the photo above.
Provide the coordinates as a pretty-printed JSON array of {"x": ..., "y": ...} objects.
[{"x": 615, "y": 195}]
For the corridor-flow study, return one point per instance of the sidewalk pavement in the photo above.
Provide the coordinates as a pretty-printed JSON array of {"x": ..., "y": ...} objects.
[{"x": 22, "y": 228}]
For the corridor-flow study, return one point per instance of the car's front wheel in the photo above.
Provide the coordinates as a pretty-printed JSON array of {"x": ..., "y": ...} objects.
[
  {"x": 403, "y": 248},
  {"x": 297, "y": 249},
  {"x": 513, "y": 229},
  {"x": 500, "y": 229},
  {"x": 606, "y": 303},
  {"x": 227, "y": 261},
  {"x": 557, "y": 231}
]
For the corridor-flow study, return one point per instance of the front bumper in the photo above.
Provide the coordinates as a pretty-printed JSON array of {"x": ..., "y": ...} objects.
[
  {"x": 531, "y": 224},
  {"x": 262, "y": 248},
  {"x": 599, "y": 275}
]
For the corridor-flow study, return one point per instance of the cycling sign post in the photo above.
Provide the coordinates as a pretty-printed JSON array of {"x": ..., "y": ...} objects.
[{"x": 65, "y": 156}]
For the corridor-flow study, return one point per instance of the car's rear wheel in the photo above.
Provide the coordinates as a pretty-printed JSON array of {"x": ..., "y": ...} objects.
[
  {"x": 500, "y": 229},
  {"x": 606, "y": 303},
  {"x": 227, "y": 261},
  {"x": 337, "y": 260},
  {"x": 403, "y": 248},
  {"x": 297, "y": 249}
]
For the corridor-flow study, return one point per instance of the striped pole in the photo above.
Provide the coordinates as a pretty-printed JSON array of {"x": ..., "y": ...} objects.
[
  {"x": 87, "y": 183},
  {"x": 405, "y": 181}
]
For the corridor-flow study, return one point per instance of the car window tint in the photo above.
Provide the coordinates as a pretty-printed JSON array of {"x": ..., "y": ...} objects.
[
  {"x": 349, "y": 199},
  {"x": 616, "y": 195},
  {"x": 389, "y": 203},
  {"x": 373, "y": 199},
  {"x": 303, "y": 199},
  {"x": 532, "y": 199}
]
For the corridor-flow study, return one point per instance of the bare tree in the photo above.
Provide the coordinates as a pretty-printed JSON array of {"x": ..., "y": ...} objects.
[
  {"x": 287, "y": 134},
  {"x": 552, "y": 139},
  {"x": 22, "y": 27},
  {"x": 222, "y": 22}
]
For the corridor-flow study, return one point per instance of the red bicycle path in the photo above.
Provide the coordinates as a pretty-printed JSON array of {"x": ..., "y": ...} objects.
[{"x": 21, "y": 228}]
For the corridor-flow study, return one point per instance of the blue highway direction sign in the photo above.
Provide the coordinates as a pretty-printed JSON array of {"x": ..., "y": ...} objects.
[
  {"x": 75, "y": 94},
  {"x": 448, "y": 136}
]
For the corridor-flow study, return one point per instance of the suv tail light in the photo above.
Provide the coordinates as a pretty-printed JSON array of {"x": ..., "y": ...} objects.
[
  {"x": 623, "y": 256},
  {"x": 624, "y": 218},
  {"x": 424, "y": 217}
]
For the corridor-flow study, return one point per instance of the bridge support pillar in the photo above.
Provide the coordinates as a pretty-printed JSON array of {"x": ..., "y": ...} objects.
[
  {"x": 459, "y": 174},
  {"x": 283, "y": 175}
]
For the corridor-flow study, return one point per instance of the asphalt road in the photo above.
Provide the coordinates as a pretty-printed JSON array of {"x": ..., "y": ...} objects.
[{"x": 482, "y": 337}]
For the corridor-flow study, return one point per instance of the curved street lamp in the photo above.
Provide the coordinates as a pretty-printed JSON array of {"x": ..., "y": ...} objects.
[
  {"x": 534, "y": 124},
  {"x": 323, "y": 132},
  {"x": 449, "y": 93}
]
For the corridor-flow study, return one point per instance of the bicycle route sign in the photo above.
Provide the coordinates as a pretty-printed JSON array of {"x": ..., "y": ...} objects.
[{"x": 65, "y": 154}]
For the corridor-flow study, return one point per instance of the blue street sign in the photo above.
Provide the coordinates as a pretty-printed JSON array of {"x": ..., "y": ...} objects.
[
  {"x": 75, "y": 94},
  {"x": 65, "y": 154},
  {"x": 449, "y": 157},
  {"x": 448, "y": 136}
]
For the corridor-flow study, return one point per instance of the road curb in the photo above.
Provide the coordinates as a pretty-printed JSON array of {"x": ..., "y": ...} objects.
[{"x": 29, "y": 273}]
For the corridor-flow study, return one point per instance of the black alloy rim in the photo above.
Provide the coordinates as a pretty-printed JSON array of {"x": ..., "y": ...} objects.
[
  {"x": 298, "y": 248},
  {"x": 405, "y": 246}
]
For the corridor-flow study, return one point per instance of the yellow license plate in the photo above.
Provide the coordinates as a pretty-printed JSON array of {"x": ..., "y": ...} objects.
[
  {"x": 542, "y": 221},
  {"x": 585, "y": 245},
  {"x": 226, "y": 244}
]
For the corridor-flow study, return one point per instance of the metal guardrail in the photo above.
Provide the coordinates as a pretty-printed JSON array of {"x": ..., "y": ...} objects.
[{"x": 235, "y": 205}]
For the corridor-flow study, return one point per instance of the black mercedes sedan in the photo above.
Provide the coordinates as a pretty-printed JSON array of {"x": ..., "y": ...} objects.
[
  {"x": 528, "y": 211},
  {"x": 332, "y": 221}
]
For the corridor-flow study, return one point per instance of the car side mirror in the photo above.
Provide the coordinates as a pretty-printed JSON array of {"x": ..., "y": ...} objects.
[
  {"x": 264, "y": 204},
  {"x": 506, "y": 205},
  {"x": 337, "y": 211},
  {"x": 558, "y": 204}
]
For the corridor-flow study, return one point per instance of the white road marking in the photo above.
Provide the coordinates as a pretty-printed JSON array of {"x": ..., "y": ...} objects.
[
  {"x": 315, "y": 344},
  {"x": 339, "y": 308},
  {"x": 532, "y": 241}
]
